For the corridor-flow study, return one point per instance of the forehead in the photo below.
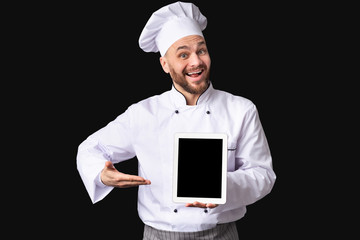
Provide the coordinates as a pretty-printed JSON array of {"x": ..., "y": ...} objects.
[{"x": 189, "y": 42}]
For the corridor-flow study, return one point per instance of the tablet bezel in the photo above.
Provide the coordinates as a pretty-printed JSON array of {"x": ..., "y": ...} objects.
[{"x": 180, "y": 199}]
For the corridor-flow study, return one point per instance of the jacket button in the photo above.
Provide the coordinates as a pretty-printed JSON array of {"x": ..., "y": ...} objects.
[
  {"x": 207, "y": 112},
  {"x": 176, "y": 111},
  {"x": 205, "y": 211},
  {"x": 175, "y": 210}
]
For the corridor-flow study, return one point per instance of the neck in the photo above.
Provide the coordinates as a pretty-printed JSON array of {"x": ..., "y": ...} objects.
[{"x": 191, "y": 98}]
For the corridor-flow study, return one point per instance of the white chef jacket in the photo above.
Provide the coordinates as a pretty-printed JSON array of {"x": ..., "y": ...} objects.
[{"x": 146, "y": 130}]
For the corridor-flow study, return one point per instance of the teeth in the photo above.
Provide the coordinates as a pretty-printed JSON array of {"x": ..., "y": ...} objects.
[{"x": 194, "y": 73}]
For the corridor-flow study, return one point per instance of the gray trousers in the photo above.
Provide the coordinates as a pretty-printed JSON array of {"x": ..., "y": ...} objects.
[{"x": 226, "y": 231}]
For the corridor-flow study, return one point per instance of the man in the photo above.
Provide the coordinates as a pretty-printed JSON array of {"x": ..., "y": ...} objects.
[{"x": 146, "y": 130}]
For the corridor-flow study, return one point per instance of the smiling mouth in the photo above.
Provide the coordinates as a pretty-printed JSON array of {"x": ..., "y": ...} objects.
[{"x": 195, "y": 74}]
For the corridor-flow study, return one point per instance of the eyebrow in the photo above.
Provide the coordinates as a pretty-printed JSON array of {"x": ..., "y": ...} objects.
[{"x": 187, "y": 47}]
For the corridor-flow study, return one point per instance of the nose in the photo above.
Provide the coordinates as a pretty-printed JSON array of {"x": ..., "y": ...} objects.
[{"x": 194, "y": 60}]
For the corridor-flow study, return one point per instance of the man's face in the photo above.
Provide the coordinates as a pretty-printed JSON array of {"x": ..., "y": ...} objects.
[{"x": 188, "y": 63}]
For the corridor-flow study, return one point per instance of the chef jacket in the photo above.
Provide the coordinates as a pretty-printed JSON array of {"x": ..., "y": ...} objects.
[{"x": 146, "y": 130}]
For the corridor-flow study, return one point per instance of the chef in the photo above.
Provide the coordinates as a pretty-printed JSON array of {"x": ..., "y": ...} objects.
[{"x": 146, "y": 130}]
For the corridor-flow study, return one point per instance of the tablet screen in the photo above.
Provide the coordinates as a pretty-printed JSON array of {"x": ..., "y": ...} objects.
[{"x": 200, "y": 165}]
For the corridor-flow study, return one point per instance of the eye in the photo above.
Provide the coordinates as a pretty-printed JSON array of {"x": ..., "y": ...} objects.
[
  {"x": 202, "y": 51},
  {"x": 183, "y": 55}
]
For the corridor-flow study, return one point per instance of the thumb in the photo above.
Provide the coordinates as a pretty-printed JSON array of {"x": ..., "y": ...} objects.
[{"x": 109, "y": 165}]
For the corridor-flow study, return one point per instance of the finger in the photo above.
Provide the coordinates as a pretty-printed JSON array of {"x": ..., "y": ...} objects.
[
  {"x": 196, "y": 204},
  {"x": 109, "y": 165},
  {"x": 201, "y": 205},
  {"x": 125, "y": 184},
  {"x": 132, "y": 178},
  {"x": 211, "y": 205}
]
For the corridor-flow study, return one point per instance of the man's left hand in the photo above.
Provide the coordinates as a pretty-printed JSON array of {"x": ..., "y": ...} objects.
[{"x": 201, "y": 205}]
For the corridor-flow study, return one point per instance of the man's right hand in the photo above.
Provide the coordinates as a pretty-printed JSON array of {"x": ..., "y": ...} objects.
[{"x": 110, "y": 176}]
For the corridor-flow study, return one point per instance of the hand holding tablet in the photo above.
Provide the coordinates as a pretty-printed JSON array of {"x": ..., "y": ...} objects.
[{"x": 201, "y": 205}]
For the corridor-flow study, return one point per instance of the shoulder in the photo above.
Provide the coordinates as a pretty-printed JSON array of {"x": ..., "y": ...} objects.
[
  {"x": 232, "y": 100},
  {"x": 150, "y": 104}
]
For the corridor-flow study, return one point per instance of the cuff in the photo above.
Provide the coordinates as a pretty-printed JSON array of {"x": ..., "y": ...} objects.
[{"x": 98, "y": 181}]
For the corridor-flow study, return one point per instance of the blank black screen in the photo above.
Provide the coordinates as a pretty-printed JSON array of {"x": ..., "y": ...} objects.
[{"x": 199, "y": 168}]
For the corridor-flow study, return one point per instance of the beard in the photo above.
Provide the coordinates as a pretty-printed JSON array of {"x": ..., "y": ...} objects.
[{"x": 181, "y": 81}]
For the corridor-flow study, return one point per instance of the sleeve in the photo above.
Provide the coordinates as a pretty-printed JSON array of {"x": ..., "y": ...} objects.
[
  {"x": 254, "y": 176},
  {"x": 111, "y": 142}
]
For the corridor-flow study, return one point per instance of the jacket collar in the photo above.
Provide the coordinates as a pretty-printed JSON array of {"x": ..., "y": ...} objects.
[{"x": 179, "y": 100}]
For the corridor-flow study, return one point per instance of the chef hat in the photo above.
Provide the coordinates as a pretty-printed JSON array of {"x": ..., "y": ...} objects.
[{"x": 170, "y": 23}]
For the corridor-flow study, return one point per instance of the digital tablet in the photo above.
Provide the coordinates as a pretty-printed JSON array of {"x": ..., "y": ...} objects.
[{"x": 200, "y": 167}]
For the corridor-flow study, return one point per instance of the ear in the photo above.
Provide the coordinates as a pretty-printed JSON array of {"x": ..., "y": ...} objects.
[{"x": 164, "y": 64}]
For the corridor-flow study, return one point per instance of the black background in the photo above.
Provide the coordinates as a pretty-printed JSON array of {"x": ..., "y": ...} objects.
[{"x": 72, "y": 68}]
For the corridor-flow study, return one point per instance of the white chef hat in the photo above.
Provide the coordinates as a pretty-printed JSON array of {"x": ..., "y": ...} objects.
[{"x": 170, "y": 23}]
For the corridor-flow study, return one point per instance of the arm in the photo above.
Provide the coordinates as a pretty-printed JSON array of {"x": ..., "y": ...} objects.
[
  {"x": 254, "y": 176},
  {"x": 111, "y": 143}
]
